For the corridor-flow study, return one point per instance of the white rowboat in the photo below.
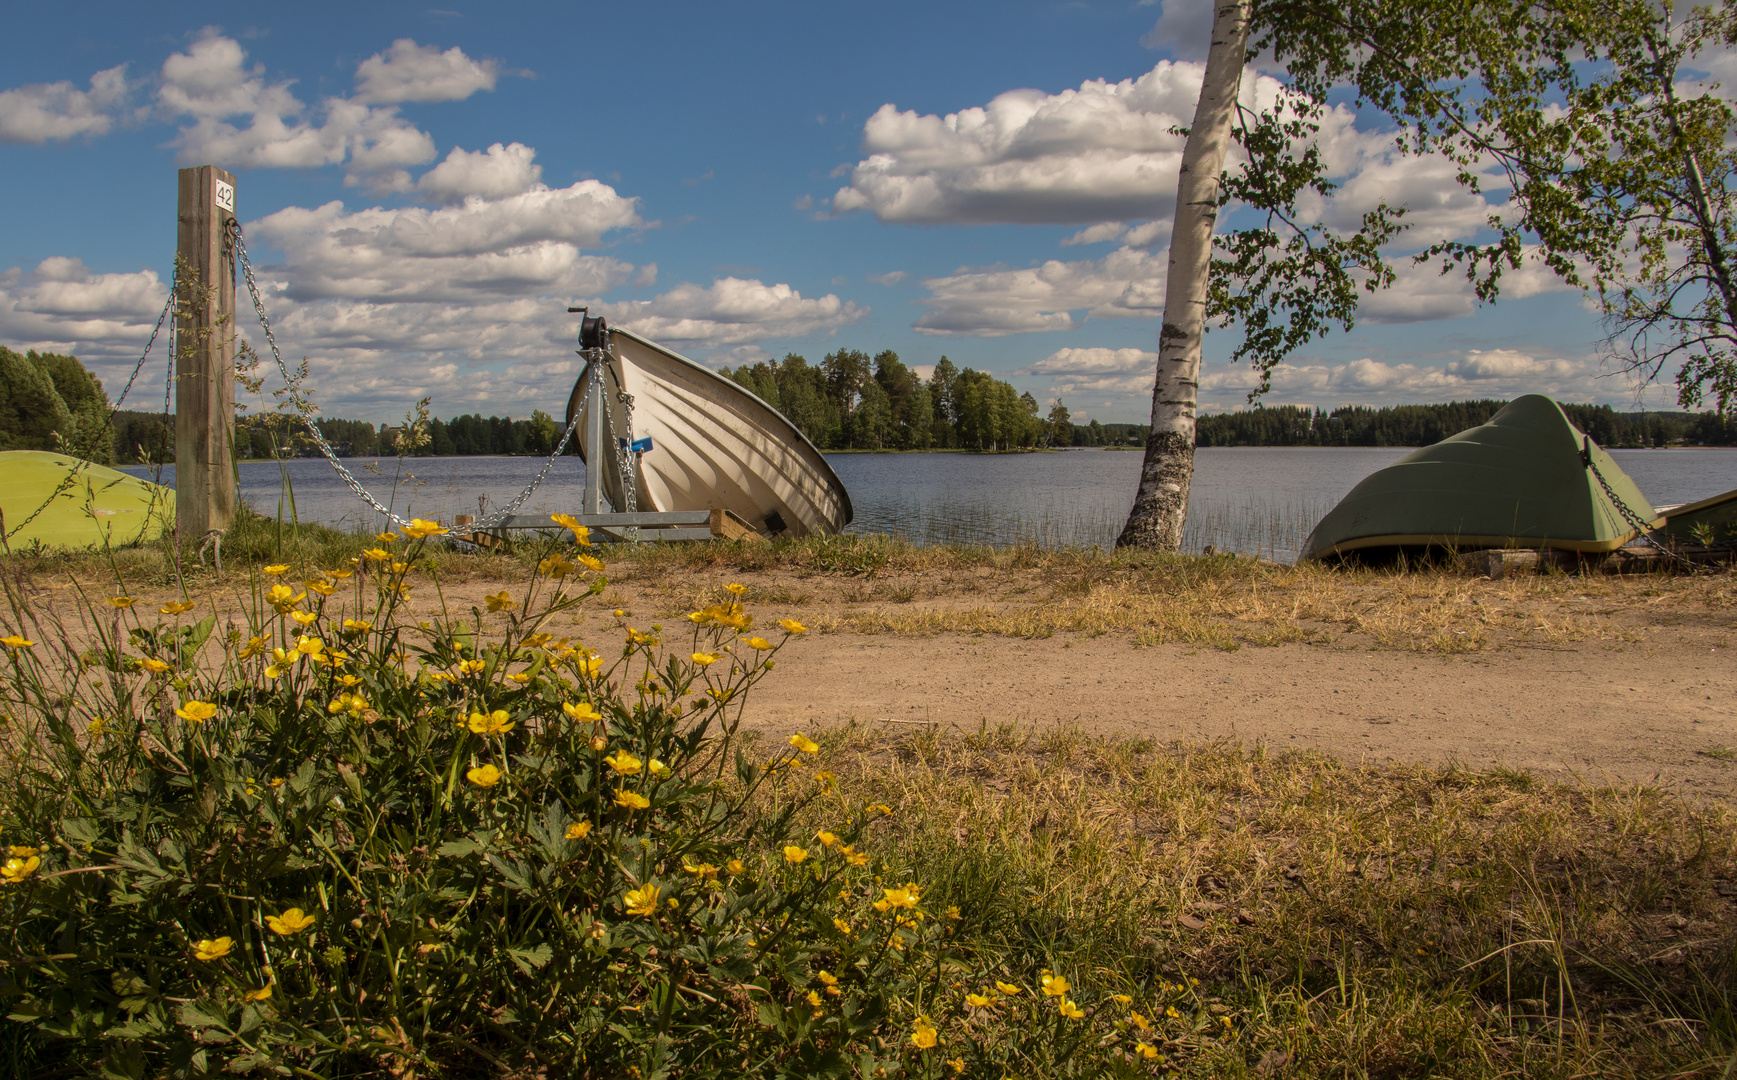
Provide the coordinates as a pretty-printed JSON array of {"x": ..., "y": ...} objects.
[{"x": 714, "y": 444}]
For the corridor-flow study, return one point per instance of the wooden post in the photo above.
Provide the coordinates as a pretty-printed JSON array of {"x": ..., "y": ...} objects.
[{"x": 205, "y": 368}]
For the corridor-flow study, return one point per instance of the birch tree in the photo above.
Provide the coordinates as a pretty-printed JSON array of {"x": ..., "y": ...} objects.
[{"x": 1570, "y": 102}]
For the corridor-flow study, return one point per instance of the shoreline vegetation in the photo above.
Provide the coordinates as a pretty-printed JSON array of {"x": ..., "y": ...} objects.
[{"x": 850, "y": 402}]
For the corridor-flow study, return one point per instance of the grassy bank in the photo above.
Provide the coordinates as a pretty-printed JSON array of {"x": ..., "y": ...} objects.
[{"x": 1306, "y": 918}]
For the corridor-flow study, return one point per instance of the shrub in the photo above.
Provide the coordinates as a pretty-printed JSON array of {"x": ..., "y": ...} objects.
[{"x": 340, "y": 841}]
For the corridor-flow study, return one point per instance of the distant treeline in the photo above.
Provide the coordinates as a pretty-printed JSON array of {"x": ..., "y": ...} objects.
[
  {"x": 1422, "y": 425},
  {"x": 852, "y": 401}
]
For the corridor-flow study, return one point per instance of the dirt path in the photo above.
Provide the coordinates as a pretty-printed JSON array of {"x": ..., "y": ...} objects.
[
  {"x": 1636, "y": 714},
  {"x": 1614, "y": 683}
]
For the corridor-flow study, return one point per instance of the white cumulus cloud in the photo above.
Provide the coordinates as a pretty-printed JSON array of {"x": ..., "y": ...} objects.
[
  {"x": 1495, "y": 373},
  {"x": 993, "y": 302},
  {"x": 411, "y": 72},
  {"x": 522, "y": 244},
  {"x": 60, "y": 110},
  {"x": 1099, "y": 370},
  {"x": 239, "y": 118},
  {"x": 104, "y": 319},
  {"x": 494, "y": 173},
  {"x": 1103, "y": 152},
  {"x": 731, "y": 311}
]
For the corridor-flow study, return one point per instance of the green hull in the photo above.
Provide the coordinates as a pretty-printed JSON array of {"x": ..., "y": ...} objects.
[
  {"x": 99, "y": 503},
  {"x": 1515, "y": 482},
  {"x": 1718, "y": 513}
]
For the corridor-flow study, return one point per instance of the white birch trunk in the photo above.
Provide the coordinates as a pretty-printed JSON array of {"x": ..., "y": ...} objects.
[{"x": 1161, "y": 506}]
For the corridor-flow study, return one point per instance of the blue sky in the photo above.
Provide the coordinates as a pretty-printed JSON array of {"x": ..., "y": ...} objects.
[{"x": 426, "y": 189}]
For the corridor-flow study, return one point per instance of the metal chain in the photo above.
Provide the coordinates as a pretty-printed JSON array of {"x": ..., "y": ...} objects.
[
  {"x": 623, "y": 466},
  {"x": 1632, "y": 519},
  {"x": 492, "y": 521}
]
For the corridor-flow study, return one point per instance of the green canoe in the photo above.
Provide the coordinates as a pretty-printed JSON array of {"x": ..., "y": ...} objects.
[
  {"x": 1518, "y": 481},
  {"x": 98, "y": 501}
]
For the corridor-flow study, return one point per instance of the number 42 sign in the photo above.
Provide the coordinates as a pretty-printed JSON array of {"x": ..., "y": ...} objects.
[{"x": 224, "y": 196}]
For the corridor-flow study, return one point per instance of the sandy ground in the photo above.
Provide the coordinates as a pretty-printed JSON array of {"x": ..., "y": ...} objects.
[{"x": 1600, "y": 713}]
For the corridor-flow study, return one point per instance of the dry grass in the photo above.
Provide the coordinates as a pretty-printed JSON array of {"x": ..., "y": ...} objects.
[
  {"x": 876, "y": 585},
  {"x": 1347, "y": 921}
]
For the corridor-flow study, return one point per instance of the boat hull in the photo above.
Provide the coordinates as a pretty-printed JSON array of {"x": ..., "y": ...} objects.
[
  {"x": 1515, "y": 482},
  {"x": 715, "y": 444}
]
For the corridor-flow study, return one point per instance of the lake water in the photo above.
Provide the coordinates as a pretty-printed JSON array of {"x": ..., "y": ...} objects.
[{"x": 1253, "y": 500}]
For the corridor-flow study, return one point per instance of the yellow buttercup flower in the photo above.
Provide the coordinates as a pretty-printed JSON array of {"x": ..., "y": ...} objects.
[
  {"x": 500, "y": 601},
  {"x": 1055, "y": 985},
  {"x": 484, "y": 776},
  {"x": 324, "y": 588},
  {"x": 354, "y": 704},
  {"x": 341, "y": 574},
  {"x": 705, "y": 659},
  {"x": 905, "y": 897},
  {"x": 828, "y": 979},
  {"x": 16, "y": 641},
  {"x": 623, "y": 762},
  {"x": 303, "y": 618},
  {"x": 632, "y": 800},
  {"x": 591, "y": 563},
  {"x": 581, "y": 534},
  {"x": 923, "y": 1038},
  {"x": 814, "y": 998},
  {"x": 355, "y": 626},
  {"x": 386, "y": 537},
  {"x": 418, "y": 528},
  {"x": 759, "y": 643},
  {"x": 153, "y": 665},
  {"x": 195, "y": 712},
  {"x": 794, "y": 854},
  {"x": 791, "y": 626},
  {"x": 581, "y": 712},
  {"x": 578, "y": 831},
  {"x": 17, "y": 868},
  {"x": 737, "y": 589},
  {"x": 122, "y": 601},
  {"x": 853, "y": 856},
  {"x": 177, "y": 607},
  {"x": 556, "y": 566},
  {"x": 827, "y": 838},
  {"x": 495, "y": 723},
  {"x": 400, "y": 567},
  {"x": 262, "y": 994},
  {"x": 841, "y": 926},
  {"x": 735, "y": 866},
  {"x": 804, "y": 743},
  {"x": 255, "y": 645},
  {"x": 293, "y": 921},
  {"x": 276, "y": 569},
  {"x": 1139, "y": 1021},
  {"x": 878, "y": 808},
  {"x": 657, "y": 768},
  {"x": 1146, "y": 1050},
  {"x": 1070, "y": 1010},
  {"x": 377, "y": 555},
  {"x": 213, "y": 948},
  {"x": 641, "y": 901}
]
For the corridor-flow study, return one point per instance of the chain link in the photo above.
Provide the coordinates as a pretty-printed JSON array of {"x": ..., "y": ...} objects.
[
  {"x": 485, "y": 524},
  {"x": 623, "y": 464},
  {"x": 1632, "y": 519}
]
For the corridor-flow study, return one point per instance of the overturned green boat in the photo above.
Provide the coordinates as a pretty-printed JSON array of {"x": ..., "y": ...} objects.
[
  {"x": 56, "y": 501},
  {"x": 1523, "y": 480}
]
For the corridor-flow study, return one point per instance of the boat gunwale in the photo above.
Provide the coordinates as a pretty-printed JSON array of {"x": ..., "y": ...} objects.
[{"x": 844, "y": 493}]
